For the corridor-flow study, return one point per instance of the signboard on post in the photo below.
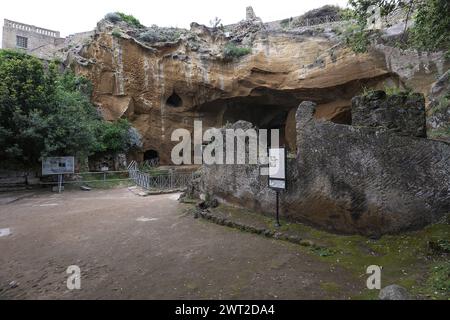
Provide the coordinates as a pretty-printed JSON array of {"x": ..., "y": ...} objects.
[
  {"x": 277, "y": 175},
  {"x": 58, "y": 165},
  {"x": 277, "y": 168}
]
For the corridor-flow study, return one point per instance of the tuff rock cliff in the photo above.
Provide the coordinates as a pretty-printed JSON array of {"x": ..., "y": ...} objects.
[{"x": 161, "y": 79}]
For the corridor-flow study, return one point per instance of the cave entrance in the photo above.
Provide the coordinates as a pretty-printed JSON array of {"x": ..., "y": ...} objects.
[
  {"x": 151, "y": 157},
  {"x": 265, "y": 111},
  {"x": 263, "y": 117},
  {"x": 174, "y": 101}
]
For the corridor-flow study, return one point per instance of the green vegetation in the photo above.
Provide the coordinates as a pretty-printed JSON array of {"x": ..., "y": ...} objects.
[
  {"x": 357, "y": 38},
  {"x": 232, "y": 51},
  {"x": 286, "y": 22},
  {"x": 153, "y": 171},
  {"x": 407, "y": 259},
  {"x": 442, "y": 105},
  {"x": 430, "y": 32},
  {"x": 105, "y": 180},
  {"x": 416, "y": 260},
  {"x": 439, "y": 133},
  {"x": 116, "y": 33},
  {"x": 156, "y": 34},
  {"x": 46, "y": 113},
  {"x": 439, "y": 280},
  {"x": 115, "y": 17}
]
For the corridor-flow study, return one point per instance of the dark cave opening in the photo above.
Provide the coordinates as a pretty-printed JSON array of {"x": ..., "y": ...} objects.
[
  {"x": 150, "y": 155},
  {"x": 261, "y": 116},
  {"x": 344, "y": 117},
  {"x": 174, "y": 101},
  {"x": 263, "y": 111}
]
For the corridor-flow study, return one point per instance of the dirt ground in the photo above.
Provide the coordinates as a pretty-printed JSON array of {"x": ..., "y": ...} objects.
[{"x": 131, "y": 247}]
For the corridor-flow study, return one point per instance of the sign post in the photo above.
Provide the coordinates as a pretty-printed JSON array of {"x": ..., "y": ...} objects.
[
  {"x": 58, "y": 166},
  {"x": 277, "y": 175}
]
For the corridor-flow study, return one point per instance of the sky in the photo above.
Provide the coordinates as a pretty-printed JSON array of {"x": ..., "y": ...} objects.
[{"x": 70, "y": 17}]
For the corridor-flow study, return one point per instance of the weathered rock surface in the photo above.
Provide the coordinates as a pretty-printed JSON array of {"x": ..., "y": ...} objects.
[
  {"x": 347, "y": 179},
  {"x": 400, "y": 113},
  {"x": 138, "y": 78},
  {"x": 394, "y": 292},
  {"x": 438, "y": 121}
]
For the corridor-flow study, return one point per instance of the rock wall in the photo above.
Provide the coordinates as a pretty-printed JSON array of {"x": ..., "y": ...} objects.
[
  {"x": 400, "y": 113},
  {"x": 135, "y": 79},
  {"x": 347, "y": 179}
]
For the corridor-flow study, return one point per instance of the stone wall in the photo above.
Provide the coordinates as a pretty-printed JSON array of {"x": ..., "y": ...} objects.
[
  {"x": 347, "y": 179},
  {"x": 40, "y": 41}
]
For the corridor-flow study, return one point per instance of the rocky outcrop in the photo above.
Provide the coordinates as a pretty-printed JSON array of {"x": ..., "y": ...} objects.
[
  {"x": 438, "y": 121},
  {"x": 135, "y": 76},
  {"x": 400, "y": 113},
  {"x": 394, "y": 292},
  {"x": 261, "y": 77},
  {"x": 347, "y": 179}
]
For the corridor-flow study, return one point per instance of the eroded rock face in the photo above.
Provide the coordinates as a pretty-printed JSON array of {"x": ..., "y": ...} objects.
[
  {"x": 163, "y": 79},
  {"x": 136, "y": 79},
  {"x": 400, "y": 113},
  {"x": 347, "y": 179},
  {"x": 438, "y": 121}
]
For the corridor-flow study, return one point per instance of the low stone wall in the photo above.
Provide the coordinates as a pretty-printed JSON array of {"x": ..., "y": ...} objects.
[{"x": 347, "y": 179}]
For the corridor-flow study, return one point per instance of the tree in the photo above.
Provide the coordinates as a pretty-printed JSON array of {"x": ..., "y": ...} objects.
[
  {"x": 431, "y": 29},
  {"x": 44, "y": 113}
]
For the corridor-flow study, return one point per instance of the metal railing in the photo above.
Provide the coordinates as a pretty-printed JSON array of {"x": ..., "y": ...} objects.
[
  {"x": 150, "y": 181},
  {"x": 86, "y": 178},
  {"x": 170, "y": 181}
]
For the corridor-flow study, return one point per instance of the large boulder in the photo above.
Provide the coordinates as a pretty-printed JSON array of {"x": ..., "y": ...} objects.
[
  {"x": 347, "y": 179},
  {"x": 394, "y": 292}
]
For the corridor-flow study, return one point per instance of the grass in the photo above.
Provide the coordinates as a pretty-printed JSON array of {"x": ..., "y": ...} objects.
[
  {"x": 442, "y": 105},
  {"x": 109, "y": 181},
  {"x": 232, "y": 51},
  {"x": 406, "y": 259}
]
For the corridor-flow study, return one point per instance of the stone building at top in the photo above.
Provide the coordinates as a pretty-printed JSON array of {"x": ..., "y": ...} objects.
[{"x": 34, "y": 40}]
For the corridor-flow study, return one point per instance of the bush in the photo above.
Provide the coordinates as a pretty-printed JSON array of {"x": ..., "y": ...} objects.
[
  {"x": 116, "y": 33},
  {"x": 156, "y": 34},
  {"x": 130, "y": 20},
  {"x": 113, "y": 17},
  {"x": 431, "y": 30},
  {"x": 232, "y": 51},
  {"x": 357, "y": 38}
]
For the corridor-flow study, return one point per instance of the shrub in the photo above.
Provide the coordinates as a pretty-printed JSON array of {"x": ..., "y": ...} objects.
[
  {"x": 130, "y": 20},
  {"x": 113, "y": 17},
  {"x": 116, "y": 33},
  {"x": 357, "y": 39},
  {"x": 431, "y": 30},
  {"x": 155, "y": 34},
  {"x": 232, "y": 51}
]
